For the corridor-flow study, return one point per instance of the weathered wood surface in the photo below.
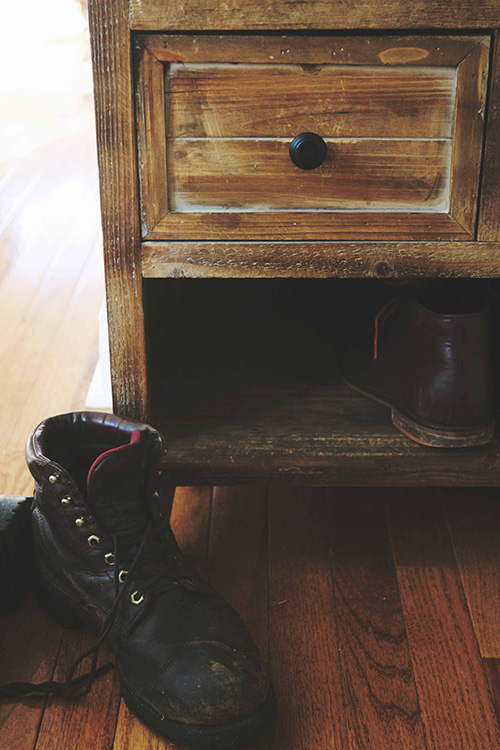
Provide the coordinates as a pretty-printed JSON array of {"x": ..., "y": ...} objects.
[
  {"x": 281, "y": 101},
  {"x": 258, "y": 175},
  {"x": 151, "y": 130},
  {"x": 311, "y": 259},
  {"x": 360, "y": 226},
  {"x": 111, "y": 52},
  {"x": 489, "y": 215},
  {"x": 239, "y": 15},
  {"x": 317, "y": 49},
  {"x": 284, "y": 434},
  {"x": 468, "y": 136},
  {"x": 439, "y": 629}
]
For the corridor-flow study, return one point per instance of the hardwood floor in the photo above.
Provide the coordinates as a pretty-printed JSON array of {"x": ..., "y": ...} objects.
[{"x": 379, "y": 610}]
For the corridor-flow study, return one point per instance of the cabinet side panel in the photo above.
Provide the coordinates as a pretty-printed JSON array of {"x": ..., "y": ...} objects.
[{"x": 111, "y": 55}]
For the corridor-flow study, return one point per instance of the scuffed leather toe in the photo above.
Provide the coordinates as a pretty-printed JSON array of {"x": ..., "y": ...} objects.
[{"x": 209, "y": 683}]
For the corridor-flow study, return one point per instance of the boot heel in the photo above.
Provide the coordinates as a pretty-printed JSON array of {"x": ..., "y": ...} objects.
[
  {"x": 57, "y": 605},
  {"x": 442, "y": 438}
]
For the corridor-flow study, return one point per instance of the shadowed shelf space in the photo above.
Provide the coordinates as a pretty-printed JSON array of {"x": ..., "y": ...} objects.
[{"x": 254, "y": 394}]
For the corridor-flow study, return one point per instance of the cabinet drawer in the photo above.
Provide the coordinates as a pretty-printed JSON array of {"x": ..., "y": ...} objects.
[{"x": 401, "y": 119}]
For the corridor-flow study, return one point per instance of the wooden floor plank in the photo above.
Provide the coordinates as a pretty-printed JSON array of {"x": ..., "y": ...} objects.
[
  {"x": 304, "y": 644},
  {"x": 29, "y": 646},
  {"x": 382, "y": 712},
  {"x": 61, "y": 379},
  {"x": 492, "y": 669},
  {"x": 72, "y": 723},
  {"x": 455, "y": 701},
  {"x": 474, "y": 522}
]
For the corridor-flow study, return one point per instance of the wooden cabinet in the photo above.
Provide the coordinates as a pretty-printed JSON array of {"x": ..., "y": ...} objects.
[{"x": 229, "y": 250}]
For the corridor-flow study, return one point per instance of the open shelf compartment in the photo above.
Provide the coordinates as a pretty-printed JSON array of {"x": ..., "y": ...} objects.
[{"x": 246, "y": 389}]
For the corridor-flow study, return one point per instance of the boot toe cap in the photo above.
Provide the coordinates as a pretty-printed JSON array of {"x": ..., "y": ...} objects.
[{"x": 211, "y": 683}]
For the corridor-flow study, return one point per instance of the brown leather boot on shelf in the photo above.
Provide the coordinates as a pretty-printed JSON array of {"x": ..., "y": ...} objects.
[
  {"x": 106, "y": 555},
  {"x": 430, "y": 363}
]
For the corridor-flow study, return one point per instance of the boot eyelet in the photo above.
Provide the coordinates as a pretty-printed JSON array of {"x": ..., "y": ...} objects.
[
  {"x": 54, "y": 478},
  {"x": 80, "y": 521},
  {"x": 93, "y": 540},
  {"x": 122, "y": 575},
  {"x": 135, "y": 598},
  {"x": 155, "y": 495},
  {"x": 66, "y": 501},
  {"x": 110, "y": 558}
]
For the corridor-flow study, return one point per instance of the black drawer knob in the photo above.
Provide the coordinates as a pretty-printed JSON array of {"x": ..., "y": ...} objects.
[{"x": 308, "y": 151}]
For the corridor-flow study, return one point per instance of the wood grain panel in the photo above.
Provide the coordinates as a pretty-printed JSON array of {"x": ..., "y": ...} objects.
[
  {"x": 304, "y": 651},
  {"x": 489, "y": 217},
  {"x": 335, "y": 49},
  {"x": 321, "y": 260},
  {"x": 281, "y": 101},
  {"x": 468, "y": 136},
  {"x": 474, "y": 522},
  {"x": 341, "y": 225},
  {"x": 259, "y": 175},
  {"x": 239, "y": 15},
  {"x": 111, "y": 55},
  {"x": 447, "y": 665},
  {"x": 383, "y": 711}
]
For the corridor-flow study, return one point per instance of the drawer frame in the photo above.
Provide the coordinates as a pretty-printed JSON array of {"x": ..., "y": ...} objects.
[{"x": 469, "y": 54}]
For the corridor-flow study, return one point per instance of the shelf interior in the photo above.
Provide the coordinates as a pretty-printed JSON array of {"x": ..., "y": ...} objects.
[{"x": 246, "y": 388}]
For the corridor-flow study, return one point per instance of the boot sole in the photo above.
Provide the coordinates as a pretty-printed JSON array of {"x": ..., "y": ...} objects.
[
  {"x": 434, "y": 437},
  {"x": 68, "y": 614},
  {"x": 201, "y": 736}
]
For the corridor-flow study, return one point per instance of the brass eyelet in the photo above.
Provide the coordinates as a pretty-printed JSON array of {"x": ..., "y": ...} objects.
[
  {"x": 110, "y": 558},
  {"x": 156, "y": 495},
  {"x": 54, "y": 478},
  {"x": 93, "y": 540},
  {"x": 135, "y": 599},
  {"x": 122, "y": 575},
  {"x": 80, "y": 521},
  {"x": 66, "y": 501}
]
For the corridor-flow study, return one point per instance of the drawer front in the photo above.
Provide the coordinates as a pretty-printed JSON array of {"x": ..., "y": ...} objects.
[{"x": 401, "y": 120}]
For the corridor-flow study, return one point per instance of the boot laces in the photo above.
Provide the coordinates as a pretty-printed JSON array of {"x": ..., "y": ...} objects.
[{"x": 73, "y": 687}]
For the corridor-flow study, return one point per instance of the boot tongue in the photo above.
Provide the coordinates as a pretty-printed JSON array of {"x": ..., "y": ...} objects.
[{"x": 115, "y": 487}]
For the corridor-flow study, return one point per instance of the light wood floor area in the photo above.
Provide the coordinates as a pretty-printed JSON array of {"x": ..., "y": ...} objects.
[{"x": 379, "y": 610}]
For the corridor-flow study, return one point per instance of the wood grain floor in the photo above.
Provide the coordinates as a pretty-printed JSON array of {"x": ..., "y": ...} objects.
[{"x": 379, "y": 610}]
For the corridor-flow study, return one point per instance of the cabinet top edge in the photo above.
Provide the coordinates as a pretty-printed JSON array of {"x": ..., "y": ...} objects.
[{"x": 348, "y": 15}]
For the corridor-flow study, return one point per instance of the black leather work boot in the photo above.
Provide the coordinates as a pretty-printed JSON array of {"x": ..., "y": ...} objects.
[
  {"x": 430, "y": 362},
  {"x": 105, "y": 555}
]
